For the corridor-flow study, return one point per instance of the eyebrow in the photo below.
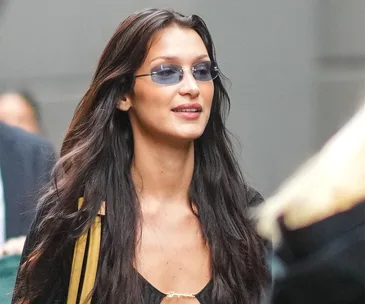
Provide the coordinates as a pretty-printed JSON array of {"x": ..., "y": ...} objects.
[{"x": 176, "y": 58}]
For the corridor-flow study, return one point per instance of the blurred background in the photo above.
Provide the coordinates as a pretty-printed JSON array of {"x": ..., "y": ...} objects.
[{"x": 297, "y": 67}]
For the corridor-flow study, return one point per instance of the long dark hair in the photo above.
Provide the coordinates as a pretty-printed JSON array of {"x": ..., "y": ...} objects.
[{"x": 95, "y": 163}]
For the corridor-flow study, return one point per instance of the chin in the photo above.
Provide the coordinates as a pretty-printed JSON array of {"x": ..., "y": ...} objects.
[
  {"x": 190, "y": 137},
  {"x": 190, "y": 133}
]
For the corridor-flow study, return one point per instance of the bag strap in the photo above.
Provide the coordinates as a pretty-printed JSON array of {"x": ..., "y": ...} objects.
[{"x": 91, "y": 263}]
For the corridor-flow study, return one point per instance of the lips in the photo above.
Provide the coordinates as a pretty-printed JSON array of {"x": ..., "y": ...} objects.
[
  {"x": 188, "y": 108},
  {"x": 188, "y": 111}
]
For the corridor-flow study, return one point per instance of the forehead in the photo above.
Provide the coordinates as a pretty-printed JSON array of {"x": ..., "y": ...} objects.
[{"x": 182, "y": 43}]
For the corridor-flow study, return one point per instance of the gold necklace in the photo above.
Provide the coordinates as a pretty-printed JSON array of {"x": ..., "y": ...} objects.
[{"x": 173, "y": 294}]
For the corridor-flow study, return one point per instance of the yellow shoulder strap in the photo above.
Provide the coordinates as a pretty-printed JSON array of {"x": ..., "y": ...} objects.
[{"x": 91, "y": 263}]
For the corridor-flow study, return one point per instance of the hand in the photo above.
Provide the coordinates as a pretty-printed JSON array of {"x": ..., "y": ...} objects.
[
  {"x": 331, "y": 182},
  {"x": 12, "y": 246}
]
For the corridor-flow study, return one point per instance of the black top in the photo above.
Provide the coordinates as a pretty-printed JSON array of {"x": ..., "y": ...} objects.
[
  {"x": 320, "y": 264},
  {"x": 57, "y": 274},
  {"x": 26, "y": 161},
  {"x": 152, "y": 295},
  {"x": 323, "y": 263}
]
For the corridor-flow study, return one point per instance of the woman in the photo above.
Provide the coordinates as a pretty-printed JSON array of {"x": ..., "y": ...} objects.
[{"x": 149, "y": 140}]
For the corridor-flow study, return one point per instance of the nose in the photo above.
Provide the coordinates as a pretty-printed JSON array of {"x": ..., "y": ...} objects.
[{"x": 189, "y": 85}]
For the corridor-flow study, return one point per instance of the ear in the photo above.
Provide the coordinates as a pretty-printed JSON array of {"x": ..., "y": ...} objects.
[{"x": 124, "y": 104}]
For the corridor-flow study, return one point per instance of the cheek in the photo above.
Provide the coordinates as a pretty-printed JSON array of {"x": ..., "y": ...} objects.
[
  {"x": 151, "y": 104},
  {"x": 153, "y": 99},
  {"x": 207, "y": 92}
]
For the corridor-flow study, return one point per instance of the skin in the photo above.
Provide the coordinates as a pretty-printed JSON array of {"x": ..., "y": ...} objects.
[
  {"x": 172, "y": 253},
  {"x": 15, "y": 111}
]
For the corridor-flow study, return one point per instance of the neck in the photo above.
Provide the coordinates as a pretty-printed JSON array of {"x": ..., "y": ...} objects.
[{"x": 162, "y": 172}]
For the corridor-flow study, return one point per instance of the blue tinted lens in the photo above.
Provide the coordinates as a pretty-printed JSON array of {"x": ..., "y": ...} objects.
[
  {"x": 171, "y": 74},
  {"x": 167, "y": 74},
  {"x": 205, "y": 71}
]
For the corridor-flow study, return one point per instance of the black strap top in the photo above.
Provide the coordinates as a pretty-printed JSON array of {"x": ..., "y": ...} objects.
[
  {"x": 152, "y": 295},
  {"x": 58, "y": 273}
]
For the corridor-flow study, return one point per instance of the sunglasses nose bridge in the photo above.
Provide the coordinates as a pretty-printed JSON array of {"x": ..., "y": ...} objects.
[
  {"x": 189, "y": 84},
  {"x": 190, "y": 71}
]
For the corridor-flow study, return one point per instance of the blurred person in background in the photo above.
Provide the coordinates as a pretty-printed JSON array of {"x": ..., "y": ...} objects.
[
  {"x": 149, "y": 153},
  {"x": 317, "y": 223},
  {"x": 20, "y": 110},
  {"x": 26, "y": 161}
]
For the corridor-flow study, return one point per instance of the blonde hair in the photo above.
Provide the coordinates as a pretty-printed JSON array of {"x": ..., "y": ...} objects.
[{"x": 330, "y": 182}]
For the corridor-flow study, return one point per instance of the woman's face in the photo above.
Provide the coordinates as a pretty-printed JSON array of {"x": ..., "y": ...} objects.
[{"x": 171, "y": 111}]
